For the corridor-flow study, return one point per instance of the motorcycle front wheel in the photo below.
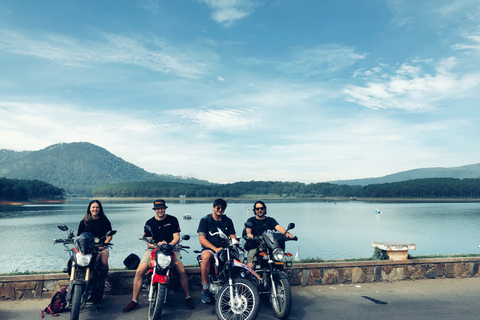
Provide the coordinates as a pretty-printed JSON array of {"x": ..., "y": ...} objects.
[
  {"x": 76, "y": 300},
  {"x": 155, "y": 306},
  {"x": 245, "y": 304},
  {"x": 282, "y": 303}
]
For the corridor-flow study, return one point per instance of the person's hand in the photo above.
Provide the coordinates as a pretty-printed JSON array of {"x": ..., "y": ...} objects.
[
  {"x": 288, "y": 235},
  {"x": 218, "y": 249}
]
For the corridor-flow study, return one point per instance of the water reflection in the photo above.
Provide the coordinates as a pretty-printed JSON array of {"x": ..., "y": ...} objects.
[{"x": 325, "y": 230}]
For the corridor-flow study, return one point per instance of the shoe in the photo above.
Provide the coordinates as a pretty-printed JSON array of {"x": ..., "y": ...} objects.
[
  {"x": 206, "y": 296},
  {"x": 107, "y": 287},
  {"x": 189, "y": 303},
  {"x": 131, "y": 306}
]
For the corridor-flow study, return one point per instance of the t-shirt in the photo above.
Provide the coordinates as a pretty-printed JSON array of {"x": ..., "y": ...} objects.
[
  {"x": 208, "y": 224},
  {"x": 98, "y": 227},
  {"x": 261, "y": 225},
  {"x": 162, "y": 230}
]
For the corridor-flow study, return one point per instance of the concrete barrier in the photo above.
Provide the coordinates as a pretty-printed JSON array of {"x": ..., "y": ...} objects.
[{"x": 305, "y": 274}]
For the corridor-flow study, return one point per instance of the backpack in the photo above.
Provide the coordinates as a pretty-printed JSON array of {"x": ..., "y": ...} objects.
[
  {"x": 132, "y": 261},
  {"x": 57, "y": 304}
]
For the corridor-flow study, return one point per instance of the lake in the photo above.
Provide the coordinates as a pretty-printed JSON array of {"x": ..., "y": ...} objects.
[{"x": 326, "y": 230}]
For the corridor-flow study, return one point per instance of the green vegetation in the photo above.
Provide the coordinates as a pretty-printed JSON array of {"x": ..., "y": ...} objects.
[
  {"x": 431, "y": 188},
  {"x": 76, "y": 167},
  {"x": 379, "y": 254},
  {"x": 25, "y": 190}
]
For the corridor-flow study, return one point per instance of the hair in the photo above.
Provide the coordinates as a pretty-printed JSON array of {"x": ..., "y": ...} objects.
[
  {"x": 220, "y": 202},
  {"x": 262, "y": 203},
  {"x": 88, "y": 216}
]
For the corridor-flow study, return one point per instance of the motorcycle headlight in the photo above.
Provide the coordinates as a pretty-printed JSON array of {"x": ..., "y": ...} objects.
[
  {"x": 83, "y": 260},
  {"x": 278, "y": 254},
  {"x": 163, "y": 260}
]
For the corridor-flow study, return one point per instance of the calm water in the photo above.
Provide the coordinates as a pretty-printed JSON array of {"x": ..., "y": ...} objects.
[{"x": 325, "y": 230}]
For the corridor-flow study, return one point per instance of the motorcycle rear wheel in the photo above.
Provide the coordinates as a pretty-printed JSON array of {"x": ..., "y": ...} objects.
[
  {"x": 246, "y": 303},
  {"x": 283, "y": 302},
  {"x": 155, "y": 306},
  {"x": 76, "y": 301}
]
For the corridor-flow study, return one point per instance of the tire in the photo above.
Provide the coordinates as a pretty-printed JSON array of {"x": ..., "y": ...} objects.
[
  {"x": 98, "y": 288},
  {"x": 246, "y": 301},
  {"x": 283, "y": 302},
  {"x": 76, "y": 301},
  {"x": 155, "y": 306}
]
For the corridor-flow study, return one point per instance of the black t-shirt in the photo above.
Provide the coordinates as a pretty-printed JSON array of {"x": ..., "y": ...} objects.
[
  {"x": 98, "y": 227},
  {"x": 261, "y": 225},
  {"x": 208, "y": 224},
  {"x": 162, "y": 230}
]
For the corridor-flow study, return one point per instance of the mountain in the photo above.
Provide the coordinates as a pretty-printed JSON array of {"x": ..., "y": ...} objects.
[
  {"x": 469, "y": 171},
  {"x": 77, "y": 167}
]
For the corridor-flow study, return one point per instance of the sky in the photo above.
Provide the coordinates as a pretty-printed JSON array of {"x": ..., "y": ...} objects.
[{"x": 242, "y": 90}]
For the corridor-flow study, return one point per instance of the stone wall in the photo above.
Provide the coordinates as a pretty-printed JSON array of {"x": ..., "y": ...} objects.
[{"x": 325, "y": 273}]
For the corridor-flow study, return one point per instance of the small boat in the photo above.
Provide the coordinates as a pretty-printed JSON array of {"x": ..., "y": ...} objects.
[
  {"x": 378, "y": 211},
  {"x": 187, "y": 217}
]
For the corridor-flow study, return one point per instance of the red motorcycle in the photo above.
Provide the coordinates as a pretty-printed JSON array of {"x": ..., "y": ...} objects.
[{"x": 160, "y": 275}]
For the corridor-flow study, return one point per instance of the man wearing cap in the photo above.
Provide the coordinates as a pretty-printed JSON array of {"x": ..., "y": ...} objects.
[
  {"x": 212, "y": 244},
  {"x": 165, "y": 229}
]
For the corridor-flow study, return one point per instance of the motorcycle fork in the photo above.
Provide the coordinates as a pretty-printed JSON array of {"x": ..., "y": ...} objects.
[
  {"x": 150, "y": 292},
  {"x": 70, "y": 283},
  {"x": 272, "y": 283}
]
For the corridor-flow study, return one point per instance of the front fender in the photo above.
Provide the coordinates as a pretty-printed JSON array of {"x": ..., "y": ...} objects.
[
  {"x": 238, "y": 264},
  {"x": 279, "y": 275},
  {"x": 160, "y": 279}
]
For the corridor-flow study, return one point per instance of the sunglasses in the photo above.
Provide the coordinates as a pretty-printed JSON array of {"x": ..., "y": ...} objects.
[
  {"x": 259, "y": 208},
  {"x": 219, "y": 208}
]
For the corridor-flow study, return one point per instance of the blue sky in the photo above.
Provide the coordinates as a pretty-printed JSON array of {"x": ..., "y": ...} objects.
[{"x": 242, "y": 90}]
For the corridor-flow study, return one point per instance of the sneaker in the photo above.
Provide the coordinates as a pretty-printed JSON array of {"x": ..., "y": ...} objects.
[
  {"x": 206, "y": 296},
  {"x": 189, "y": 303},
  {"x": 131, "y": 306},
  {"x": 107, "y": 287}
]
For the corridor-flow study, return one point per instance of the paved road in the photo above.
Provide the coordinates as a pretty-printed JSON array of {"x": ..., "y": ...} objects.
[{"x": 422, "y": 299}]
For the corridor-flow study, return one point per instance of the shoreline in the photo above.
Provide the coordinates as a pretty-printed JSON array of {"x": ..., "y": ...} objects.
[{"x": 252, "y": 198}]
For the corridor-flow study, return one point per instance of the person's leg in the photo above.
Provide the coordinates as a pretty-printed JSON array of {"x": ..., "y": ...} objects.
[
  {"x": 138, "y": 280},
  {"x": 104, "y": 258},
  {"x": 207, "y": 258},
  {"x": 183, "y": 277}
]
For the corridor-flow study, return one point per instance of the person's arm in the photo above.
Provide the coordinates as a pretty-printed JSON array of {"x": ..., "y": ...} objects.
[
  {"x": 202, "y": 237},
  {"x": 282, "y": 230},
  {"x": 176, "y": 239},
  {"x": 249, "y": 233}
]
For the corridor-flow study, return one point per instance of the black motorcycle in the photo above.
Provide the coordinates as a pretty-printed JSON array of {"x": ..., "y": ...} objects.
[
  {"x": 87, "y": 274},
  {"x": 272, "y": 268},
  {"x": 235, "y": 296}
]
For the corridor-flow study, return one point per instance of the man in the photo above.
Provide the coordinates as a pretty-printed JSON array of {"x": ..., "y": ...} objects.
[
  {"x": 212, "y": 244},
  {"x": 261, "y": 223},
  {"x": 165, "y": 229}
]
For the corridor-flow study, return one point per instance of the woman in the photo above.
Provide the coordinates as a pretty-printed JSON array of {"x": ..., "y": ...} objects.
[{"x": 96, "y": 222}]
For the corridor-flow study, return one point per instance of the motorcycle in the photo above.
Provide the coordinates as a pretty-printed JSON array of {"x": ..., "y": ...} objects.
[
  {"x": 87, "y": 274},
  {"x": 235, "y": 296},
  {"x": 159, "y": 276},
  {"x": 272, "y": 269}
]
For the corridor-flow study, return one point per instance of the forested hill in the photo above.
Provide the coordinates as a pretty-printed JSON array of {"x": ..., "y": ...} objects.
[
  {"x": 28, "y": 190},
  {"x": 76, "y": 167},
  {"x": 471, "y": 171},
  {"x": 418, "y": 188}
]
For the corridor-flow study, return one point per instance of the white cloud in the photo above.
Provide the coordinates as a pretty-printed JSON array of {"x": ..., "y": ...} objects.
[
  {"x": 155, "y": 54},
  {"x": 323, "y": 60},
  {"x": 411, "y": 89},
  {"x": 226, "y": 12}
]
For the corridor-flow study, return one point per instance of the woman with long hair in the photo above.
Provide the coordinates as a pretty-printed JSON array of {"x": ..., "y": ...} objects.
[{"x": 96, "y": 222}]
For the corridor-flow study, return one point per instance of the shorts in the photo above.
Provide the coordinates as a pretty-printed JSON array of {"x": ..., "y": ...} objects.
[
  {"x": 252, "y": 255},
  {"x": 148, "y": 252}
]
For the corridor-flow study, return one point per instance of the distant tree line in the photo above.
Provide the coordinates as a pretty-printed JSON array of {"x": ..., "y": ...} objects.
[
  {"x": 417, "y": 188},
  {"x": 24, "y": 190}
]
